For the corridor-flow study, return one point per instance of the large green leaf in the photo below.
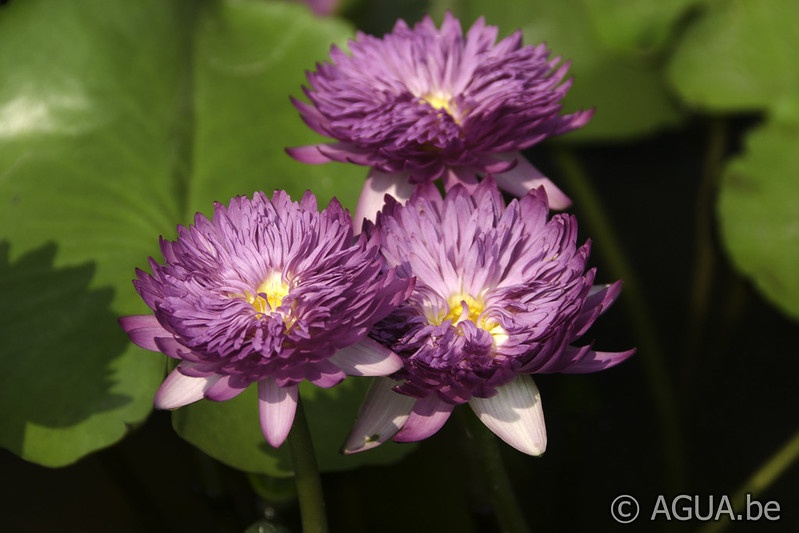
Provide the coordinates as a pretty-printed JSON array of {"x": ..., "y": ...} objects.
[
  {"x": 87, "y": 120},
  {"x": 640, "y": 29},
  {"x": 741, "y": 56},
  {"x": 759, "y": 211},
  {"x": 117, "y": 121},
  {"x": 612, "y": 60}
]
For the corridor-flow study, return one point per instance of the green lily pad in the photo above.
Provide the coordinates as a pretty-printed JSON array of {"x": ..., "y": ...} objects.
[
  {"x": 86, "y": 118},
  {"x": 119, "y": 120},
  {"x": 740, "y": 56},
  {"x": 759, "y": 213},
  {"x": 640, "y": 29}
]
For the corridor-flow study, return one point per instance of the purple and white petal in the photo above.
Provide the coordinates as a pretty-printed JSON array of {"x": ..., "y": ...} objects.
[
  {"x": 427, "y": 417},
  {"x": 276, "y": 407},
  {"x": 382, "y": 414},
  {"x": 377, "y": 186},
  {"x": 179, "y": 389},
  {"x": 524, "y": 177},
  {"x": 223, "y": 390},
  {"x": 515, "y": 415},
  {"x": 594, "y": 361},
  {"x": 143, "y": 330},
  {"x": 367, "y": 358}
]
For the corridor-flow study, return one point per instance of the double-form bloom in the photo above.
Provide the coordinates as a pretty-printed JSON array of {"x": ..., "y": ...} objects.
[
  {"x": 501, "y": 293},
  {"x": 424, "y": 103},
  {"x": 271, "y": 292}
]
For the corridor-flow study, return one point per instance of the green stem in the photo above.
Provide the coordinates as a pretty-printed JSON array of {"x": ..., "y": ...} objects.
[
  {"x": 306, "y": 475},
  {"x": 500, "y": 491},
  {"x": 608, "y": 245},
  {"x": 760, "y": 480},
  {"x": 704, "y": 249}
]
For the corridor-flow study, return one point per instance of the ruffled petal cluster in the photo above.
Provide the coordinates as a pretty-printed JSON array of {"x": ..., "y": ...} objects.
[
  {"x": 272, "y": 292},
  {"x": 501, "y": 292},
  {"x": 424, "y": 103}
]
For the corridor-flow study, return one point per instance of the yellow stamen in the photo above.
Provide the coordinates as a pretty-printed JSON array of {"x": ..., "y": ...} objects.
[
  {"x": 275, "y": 290},
  {"x": 442, "y": 101},
  {"x": 464, "y": 306}
]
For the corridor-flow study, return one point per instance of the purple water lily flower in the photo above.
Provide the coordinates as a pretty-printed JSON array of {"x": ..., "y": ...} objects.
[
  {"x": 428, "y": 103},
  {"x": 267, "y": 292},
  {"x": 501, "y": 293}
]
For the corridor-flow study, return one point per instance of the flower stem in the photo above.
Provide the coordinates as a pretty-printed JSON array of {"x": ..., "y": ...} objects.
[
  {"x": 306, "y": 475},
  {"x": 704, "y": 249},
  {"x": 608, "y": 244},
  {"x": 500, "y": 491}
]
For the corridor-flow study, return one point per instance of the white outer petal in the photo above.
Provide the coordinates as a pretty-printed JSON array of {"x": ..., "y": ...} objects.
[
  {"x": 178, "y": 390},
  {"x": 276, "y": 407},
  {"x": 383, "y": 412},
  {"x": 515, "y": 415},
  {"x": 367, "y": 358},
  {"x": 523, "y": 177},
  {"x": 377, "y": 186}
]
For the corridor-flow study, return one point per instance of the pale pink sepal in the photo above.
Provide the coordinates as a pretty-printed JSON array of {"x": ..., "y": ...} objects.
[
  {"x": 515, "y": 415},
  {"x": 427, "y": 417},
  {"x": 276, "y": 406},
  {"x": 382, "y": 414},
  {"x": 375, "y": 188},
  {"x": 143, "y": 329},
  {"x": 524, "y": 177},
  {"x": 367, "y": 358},
  {"x": 179, "y": 389}
]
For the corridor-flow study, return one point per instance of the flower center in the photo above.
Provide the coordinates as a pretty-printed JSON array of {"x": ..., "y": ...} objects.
[
  {"x": 463, "y": 306},
  {"x": 269, "y": 294},
  {"x": 442, "y": 101}
]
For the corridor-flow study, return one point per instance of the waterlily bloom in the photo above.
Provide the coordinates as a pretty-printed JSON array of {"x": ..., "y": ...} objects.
[
  {"x": 501, "y": 293},
  {"x": 271, "y": 292},
  {"x": 424, "y": 103}
]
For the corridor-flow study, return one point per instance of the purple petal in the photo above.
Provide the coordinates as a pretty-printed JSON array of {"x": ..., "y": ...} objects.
[
  {"x": 308, "y": 154},
  {"x": 382, "y": 414},
  {"x": 427, "y": 417},
  {"x": 276, "y": 406},
  {"x": 593, "y": 361},
  {"x": 143, "y": 329},
  {"x": 515, "y": 415},
  {"x": 524, "y": 177},
  {"x": 170, "y": 347},
  {"x": 367, "y": 358},
  {"x": 377, "y": 186},
  {"x": 324, "y": 374},
  {"x": 178, "y": 389},
  {"x": 222, "y": 390}
]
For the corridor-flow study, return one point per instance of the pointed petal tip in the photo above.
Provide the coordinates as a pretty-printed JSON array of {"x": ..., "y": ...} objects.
[
  {"x": 515, "y": 415},
  {"x": 276, "y": 407},
  {"x": 178, "y": 390},
  {"x": 142, "y": 330},
  {"x": 382, "y": 414},
  {"x": 362, "y": 443}
]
